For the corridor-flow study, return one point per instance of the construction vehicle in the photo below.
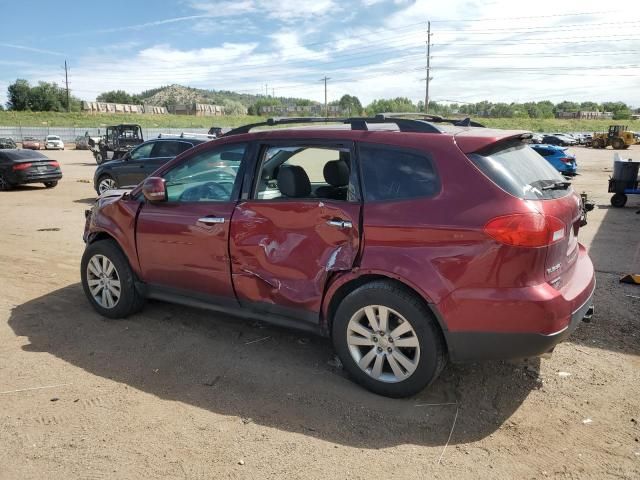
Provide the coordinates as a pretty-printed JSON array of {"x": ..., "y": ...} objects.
[
  {"x": 617, "y": 137},
  {"x": 118, "y": 139}
]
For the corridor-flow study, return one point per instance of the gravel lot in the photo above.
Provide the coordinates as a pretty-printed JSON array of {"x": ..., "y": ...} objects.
[{"x": 179, "y": 393}]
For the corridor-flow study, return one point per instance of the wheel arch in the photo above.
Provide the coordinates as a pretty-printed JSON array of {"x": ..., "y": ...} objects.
[{"x": 343, "y": 285}]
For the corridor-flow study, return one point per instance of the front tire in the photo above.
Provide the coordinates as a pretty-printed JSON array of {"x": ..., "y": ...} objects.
[
  {"x": 387, "y": 340},
  {"x": 51, "y": 184},
  {"x": 106, "y": 183},
  {"x": 108, "y": 280}
]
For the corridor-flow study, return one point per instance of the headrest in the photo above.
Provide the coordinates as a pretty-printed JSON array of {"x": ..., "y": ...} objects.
[
  {"x": 293, "y": 181},
  {"x": 336, "y": 173}
]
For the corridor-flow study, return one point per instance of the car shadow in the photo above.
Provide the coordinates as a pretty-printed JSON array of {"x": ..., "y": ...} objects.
[
  {"x": 25, "y": 188},
  {"x": 86, "y": 201},
  {"x": 614, "y": 249},
  {"x": 274, "y": 377}
]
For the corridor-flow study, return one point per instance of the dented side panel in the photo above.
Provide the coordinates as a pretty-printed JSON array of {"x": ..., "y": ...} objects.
[{"x": 282, "y": 251}]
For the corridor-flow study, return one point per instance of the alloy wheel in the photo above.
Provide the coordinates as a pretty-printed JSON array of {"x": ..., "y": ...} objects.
[
  {"x": 106, "y": 184},
  {"x": 383, "y": 343},
  {"x": 103, "y": 281}
]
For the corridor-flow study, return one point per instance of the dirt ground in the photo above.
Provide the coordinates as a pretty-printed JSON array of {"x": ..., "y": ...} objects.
[{"x": 180, "y": 393}]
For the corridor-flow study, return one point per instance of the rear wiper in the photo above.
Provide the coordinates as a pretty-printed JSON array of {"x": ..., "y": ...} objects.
[{"x": 556, "y": 186}]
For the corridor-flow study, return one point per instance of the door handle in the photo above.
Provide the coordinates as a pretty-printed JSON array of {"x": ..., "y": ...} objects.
[
  {"x": 340, "y": 223},
  {"x": 211, "y": 220}
]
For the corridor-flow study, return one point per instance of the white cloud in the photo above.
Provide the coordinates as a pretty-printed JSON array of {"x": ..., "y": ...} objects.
[{"x": 31, "y": 49}]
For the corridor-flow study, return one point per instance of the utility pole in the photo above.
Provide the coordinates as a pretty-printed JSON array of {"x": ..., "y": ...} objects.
[
  {"x": 266, "y": 90},
  {"x": 66, "y": 81},
  {"x": 326, "y": 107},
  {"x": 426, "y": 91}
]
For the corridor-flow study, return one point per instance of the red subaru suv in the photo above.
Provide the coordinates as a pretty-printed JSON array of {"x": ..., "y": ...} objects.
[{"x": 408, "y": 241}]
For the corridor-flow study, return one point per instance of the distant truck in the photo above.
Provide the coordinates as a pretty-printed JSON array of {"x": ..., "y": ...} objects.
[{"x": 118, "y": 139}]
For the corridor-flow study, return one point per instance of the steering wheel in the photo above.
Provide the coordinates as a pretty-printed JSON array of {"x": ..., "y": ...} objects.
[{"x": 206, "y": 191}]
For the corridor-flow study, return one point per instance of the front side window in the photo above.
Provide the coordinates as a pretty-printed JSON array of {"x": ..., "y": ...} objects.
[
  {"x": 208, "y": 176},
  {"x": 143, "y": 151},
  {"x": 306, "y": 172},
  {"x": 393, "y": 174}
]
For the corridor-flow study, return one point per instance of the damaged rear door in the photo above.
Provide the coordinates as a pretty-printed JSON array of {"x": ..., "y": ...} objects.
[{"x": 294, "y": 228}]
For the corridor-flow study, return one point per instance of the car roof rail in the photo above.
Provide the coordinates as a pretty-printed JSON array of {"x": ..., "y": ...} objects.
[
  {"x": 185, "y": 134},
  {"x": 357, "y": 123},
  {"x": 458, "y": 122}
]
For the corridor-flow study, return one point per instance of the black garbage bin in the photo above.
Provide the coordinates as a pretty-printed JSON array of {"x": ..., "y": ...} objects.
[{"x": 626, "y": 170}]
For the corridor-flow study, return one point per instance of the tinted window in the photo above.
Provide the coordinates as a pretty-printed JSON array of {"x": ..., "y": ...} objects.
[
  {"x": 167, "y": 148},
  {"x": 520, "y": 171},
  {"x": 390, "y": 174},
  {"x": 208, "y": 176},
  {"x": 143, "y": 151}
]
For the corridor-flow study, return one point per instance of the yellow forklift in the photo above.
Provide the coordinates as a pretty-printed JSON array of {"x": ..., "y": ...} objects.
[{"x": 617, "y": 137}]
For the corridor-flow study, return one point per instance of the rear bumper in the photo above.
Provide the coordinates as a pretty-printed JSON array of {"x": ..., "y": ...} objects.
[
  {"x": 474, "y": 346},
  {"x": 511, "y": 323},
  {"x": 33, "y": 177}
]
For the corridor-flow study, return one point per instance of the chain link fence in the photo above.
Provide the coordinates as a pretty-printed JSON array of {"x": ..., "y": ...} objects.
[{"x": 69, "y": 134}]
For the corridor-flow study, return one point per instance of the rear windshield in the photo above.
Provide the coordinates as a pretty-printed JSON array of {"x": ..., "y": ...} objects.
[{"x": 520, "y": 171}]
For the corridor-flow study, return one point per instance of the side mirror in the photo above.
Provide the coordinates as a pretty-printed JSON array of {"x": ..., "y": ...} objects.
[{"x": 154, "y": 189}]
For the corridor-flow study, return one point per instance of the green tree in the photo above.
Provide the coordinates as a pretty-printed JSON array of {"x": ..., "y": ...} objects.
[
  {"x": 398, "y": 104},
  {"x": 567, "y": 106},
  {"x": 350, "y": 104},
  {"x": 19, "y": 94},
  {"x": 589, "y": 106},
  {"x": 233, "y": 107},
  {"x": 118, "y": 96},
  {"x": 620, "y": 110},
  {"x": 47, "y": 97}
]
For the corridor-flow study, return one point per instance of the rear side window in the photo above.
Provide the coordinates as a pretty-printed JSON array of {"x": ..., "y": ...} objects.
[
  {"x": 167, "y": 148},
  {"x": 394, "y": 174},
  {"x": 520, "y": 171}
]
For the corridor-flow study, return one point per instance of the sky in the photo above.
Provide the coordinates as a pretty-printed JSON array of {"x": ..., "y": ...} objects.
[{"x": 508, "y": 51}]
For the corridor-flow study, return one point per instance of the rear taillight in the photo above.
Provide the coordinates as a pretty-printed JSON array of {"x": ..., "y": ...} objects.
[
  {"x": 526, "y": 230},
  {"x": 54, "y": 164},
  {"x": 21, "y": 166},
  {"x": 567, "y": 160}
]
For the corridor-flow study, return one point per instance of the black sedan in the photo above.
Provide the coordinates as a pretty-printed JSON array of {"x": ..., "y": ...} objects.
[
  {"x": 18, "y": 167},
  {"x": 140, "y": 162}
]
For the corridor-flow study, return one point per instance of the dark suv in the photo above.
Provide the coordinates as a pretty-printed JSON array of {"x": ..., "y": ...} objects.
[
  {"x": 137, "y": 164},
  {"x": 407, "y": 241}
]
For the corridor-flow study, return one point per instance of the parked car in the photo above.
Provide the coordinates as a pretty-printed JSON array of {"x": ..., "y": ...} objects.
[
  {"x": 558, "y": 157},
  {"x": 558, "y": 139},
  {"x": 406, "y": 248},
  {"x": 6, "y": 142},
  {"x": 53, "y": 142},
  {"x": 138, "y": 163},
  {"x": 82, "y": 143},
  {"x": 18, "y": 167},
  {"x": 31, "y": 143}
]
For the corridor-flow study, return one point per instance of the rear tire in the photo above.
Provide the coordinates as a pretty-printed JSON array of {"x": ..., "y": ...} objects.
[
  {"x": 51, "y": 184},
  {"x": 103, "y": 261},
  {"x": 5, "y": 185},
  {"x": 619, "y": 200},
  {"x": 375, "y": 360}
]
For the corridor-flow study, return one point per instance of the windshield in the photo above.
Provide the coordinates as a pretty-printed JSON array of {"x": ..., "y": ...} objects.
[
  {"x": 53, "y": 137},
  {"x": 522, "y": 172}
]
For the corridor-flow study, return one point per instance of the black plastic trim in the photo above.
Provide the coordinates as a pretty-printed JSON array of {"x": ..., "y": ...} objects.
[{"x": 268, "y": 313}]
